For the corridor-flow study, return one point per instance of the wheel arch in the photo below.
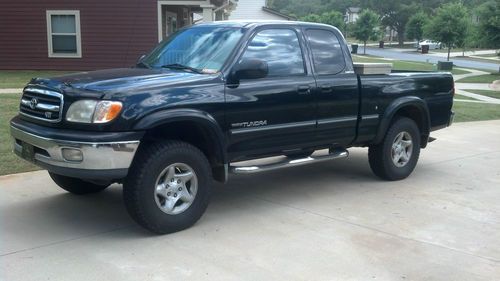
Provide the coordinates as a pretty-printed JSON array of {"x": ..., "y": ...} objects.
[
  {"x": 411, "y": 107},
  {"x": 196, "y": 127}
]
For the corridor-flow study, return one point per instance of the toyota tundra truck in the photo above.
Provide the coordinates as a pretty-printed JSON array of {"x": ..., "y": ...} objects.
[{"x": 213, "y": 96}]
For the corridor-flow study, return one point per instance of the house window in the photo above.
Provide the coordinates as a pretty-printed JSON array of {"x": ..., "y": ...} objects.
[{"x": 63, "y": 34}]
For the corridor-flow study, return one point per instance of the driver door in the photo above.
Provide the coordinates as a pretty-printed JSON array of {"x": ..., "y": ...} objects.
[{"x": 276, "y": 113}]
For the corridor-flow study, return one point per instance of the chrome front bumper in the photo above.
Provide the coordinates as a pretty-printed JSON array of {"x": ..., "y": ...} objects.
[{"x": 96, "y": 156}]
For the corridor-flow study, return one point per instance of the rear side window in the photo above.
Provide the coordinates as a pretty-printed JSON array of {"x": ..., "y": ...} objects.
[
  {"x": 281, "y": 50},
  {"x": 326, "y": 50}
]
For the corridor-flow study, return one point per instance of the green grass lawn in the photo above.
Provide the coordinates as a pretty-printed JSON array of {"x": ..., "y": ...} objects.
[
  {"x": 486, "y": 78},
  {"x": 19, "y": 78},
  {"x": 470, "y": 111},
  {"x": 404, "y": 65},
  {"x": 493, "y": 94},
  {"x": 10, "y": 163},
  {"x": 457, "y": 96}
]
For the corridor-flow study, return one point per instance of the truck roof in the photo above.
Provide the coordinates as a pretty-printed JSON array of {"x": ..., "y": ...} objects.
[{"x": 254, "y": 23}]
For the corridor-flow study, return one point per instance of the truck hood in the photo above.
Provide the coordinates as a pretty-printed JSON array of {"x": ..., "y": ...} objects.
[{"x": 107, "y": 82}]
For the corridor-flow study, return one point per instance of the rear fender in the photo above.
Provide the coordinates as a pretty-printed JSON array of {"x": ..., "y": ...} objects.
[{"x": 400, "y": 105}]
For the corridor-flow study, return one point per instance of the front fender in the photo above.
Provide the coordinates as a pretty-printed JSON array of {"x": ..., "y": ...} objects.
[
  {"x": 202, "y": 118},
  {"x": 399, "y": 104}
]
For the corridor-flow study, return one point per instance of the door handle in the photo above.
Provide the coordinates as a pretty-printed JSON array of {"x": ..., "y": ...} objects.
[
  {"x": 304, "y": 89},
  {"x": 326, "y": 88}
]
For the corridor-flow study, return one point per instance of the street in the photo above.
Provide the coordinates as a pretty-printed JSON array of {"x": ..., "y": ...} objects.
[
  {"x": 389, "y": 53},
  {"x": 326, "y": 221}
]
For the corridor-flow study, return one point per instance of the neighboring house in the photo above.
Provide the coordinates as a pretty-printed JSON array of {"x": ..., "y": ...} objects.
[
  {"x": 92, "y": 34},
  {"x": 256, "y": 10},
  {"x": 352, "y": 14}
]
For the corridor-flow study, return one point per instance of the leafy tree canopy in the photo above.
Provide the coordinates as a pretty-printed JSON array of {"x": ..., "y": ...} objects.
[
  {"x": 449, "y": 25},
  {"x": 415, "y": 26},
  {"x": 332, "y": 18},
  {"x": 488, "y": 29},
  {"x": 367, "y": 27}
]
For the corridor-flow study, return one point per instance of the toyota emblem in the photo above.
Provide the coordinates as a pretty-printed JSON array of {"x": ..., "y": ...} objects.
[{"x": 33, "y": 103}]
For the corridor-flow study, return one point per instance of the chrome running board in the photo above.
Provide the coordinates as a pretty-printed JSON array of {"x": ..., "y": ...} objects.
[{"x": 333, "y": 154}]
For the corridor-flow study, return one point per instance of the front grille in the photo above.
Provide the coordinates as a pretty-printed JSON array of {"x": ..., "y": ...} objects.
[{"x": 42, "y": 104}]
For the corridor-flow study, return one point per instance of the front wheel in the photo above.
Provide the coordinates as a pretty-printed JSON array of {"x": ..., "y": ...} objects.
[
  {"x": 168, "y": 187},
  {"x": 77, "y": 186},
  {"x": 396, "y": 156}
]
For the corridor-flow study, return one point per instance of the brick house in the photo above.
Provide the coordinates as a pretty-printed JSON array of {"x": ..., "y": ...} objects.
[{"x": 92, "y": 34}]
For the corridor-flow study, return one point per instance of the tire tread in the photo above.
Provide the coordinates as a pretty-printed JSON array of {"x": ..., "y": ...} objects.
[{"x": 145, "y": 156}]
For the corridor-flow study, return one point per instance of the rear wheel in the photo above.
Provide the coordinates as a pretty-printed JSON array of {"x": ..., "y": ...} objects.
[
  {"x": 168, "y": 187},
  {"x": 397, "y": 155},
  {"x": 77, "y": 186}
]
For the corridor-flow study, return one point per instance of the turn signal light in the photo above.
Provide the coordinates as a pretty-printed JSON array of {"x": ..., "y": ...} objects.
[{"x": 106, "y": 111}]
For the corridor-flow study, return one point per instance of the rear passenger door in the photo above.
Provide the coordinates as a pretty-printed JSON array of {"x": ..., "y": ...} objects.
[{"x": 336, "y": 90}]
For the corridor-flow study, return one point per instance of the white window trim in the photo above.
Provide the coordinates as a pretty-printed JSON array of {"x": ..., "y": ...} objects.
[{"x": 75, "y": 13}]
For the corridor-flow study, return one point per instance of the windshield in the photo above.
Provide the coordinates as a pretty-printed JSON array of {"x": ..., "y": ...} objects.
[{"x": 203, "y": 48}]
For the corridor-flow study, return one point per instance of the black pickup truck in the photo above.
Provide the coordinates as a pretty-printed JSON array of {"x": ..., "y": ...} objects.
[{"x": 216, "y": 94}]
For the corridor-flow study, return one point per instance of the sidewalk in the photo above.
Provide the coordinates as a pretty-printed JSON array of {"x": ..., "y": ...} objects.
[
  {"x": 11, "y": 91},
  {"x": 460, "y": 53},
  {"x": 478, "y": 97}
]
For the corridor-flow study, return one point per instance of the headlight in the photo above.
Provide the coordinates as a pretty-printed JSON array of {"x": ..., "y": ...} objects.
[{"x": 91, "y": 111}]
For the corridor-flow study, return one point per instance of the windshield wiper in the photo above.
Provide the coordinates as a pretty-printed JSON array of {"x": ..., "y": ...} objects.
[
  {"x": 145, "y": 64},
  {"x": 183, "y": 67}
]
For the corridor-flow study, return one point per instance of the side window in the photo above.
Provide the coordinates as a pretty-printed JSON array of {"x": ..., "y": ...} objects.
[
  {"x": 280, "y": 48},
  {"x": 326, "y": 50}
]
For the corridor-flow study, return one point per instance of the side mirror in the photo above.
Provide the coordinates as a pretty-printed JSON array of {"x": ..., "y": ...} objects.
[{"x": 250, "y": 69}]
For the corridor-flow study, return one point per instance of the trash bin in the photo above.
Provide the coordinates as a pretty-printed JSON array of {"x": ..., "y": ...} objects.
[
  {"x": 381, "y": 44},
  {"x": 425, "y": 49},
  {"x": 354, "y": 49},
  {"x": 445, "y": 65}
]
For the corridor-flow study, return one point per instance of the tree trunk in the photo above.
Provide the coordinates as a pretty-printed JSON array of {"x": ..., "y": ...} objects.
[
  {"x": 401, "y": 36},
  {"x": 364, "y": 48},
  {"x": 449, "y": 49}
]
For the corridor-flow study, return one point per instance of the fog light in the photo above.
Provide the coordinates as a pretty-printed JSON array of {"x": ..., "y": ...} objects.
[{"x": 72, "y": 154}]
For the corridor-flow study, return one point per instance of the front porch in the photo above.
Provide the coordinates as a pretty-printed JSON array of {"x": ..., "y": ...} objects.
[{"x": 175, "y": 14}]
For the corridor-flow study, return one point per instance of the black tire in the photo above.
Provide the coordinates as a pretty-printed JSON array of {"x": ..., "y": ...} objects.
[
  {"x": 380, "y": 155},
  {"x": 139, "y": 187},
  {"x": 75, "y": 185}
]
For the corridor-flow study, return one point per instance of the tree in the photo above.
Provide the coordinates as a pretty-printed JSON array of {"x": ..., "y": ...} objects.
[
  {"x": 332, "y": 18},
  {"x": 488, "y": 28},
  {"x": 303, "y": 8},
  {"x": 311, "y": 18},
  {"x": 449, "y": 25},
  {"x": 367, "y": 27},
  {"x": 415, "y": 26},
  {"x": 395, "y": 13}
]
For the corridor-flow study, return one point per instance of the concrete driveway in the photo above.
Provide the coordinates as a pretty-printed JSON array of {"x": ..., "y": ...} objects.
[{"x": 328, "y": 221}]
